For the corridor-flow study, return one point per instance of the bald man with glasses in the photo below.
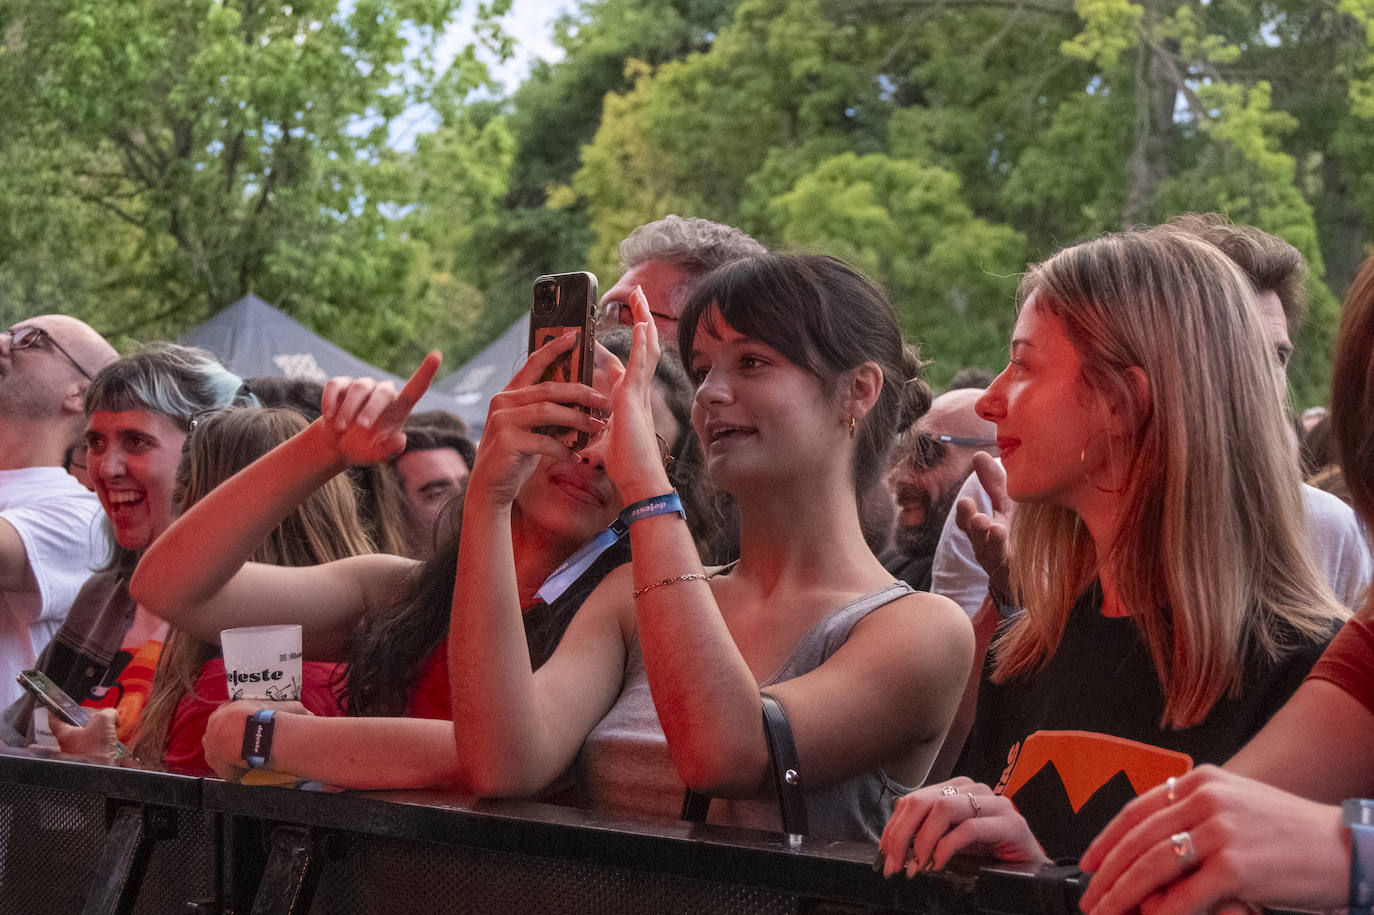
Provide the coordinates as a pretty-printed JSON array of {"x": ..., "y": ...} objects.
[{"x": 50, "y": 532}]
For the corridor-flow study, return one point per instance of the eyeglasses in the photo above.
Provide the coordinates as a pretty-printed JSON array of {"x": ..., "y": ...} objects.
[
  {"x": 27, "y": 337},
  {"x": 965, "y": 441},
  {"x": 616, "y": 313},
  {"x": 198, "y": 419},
  {"x": 75, "y": 457},
  {"x": 243, "y": 397},
  {"x": 924, "y": 451}
]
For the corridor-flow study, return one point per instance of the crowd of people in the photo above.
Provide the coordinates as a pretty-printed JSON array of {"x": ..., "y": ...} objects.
[{"x": 1108, "y": 605}]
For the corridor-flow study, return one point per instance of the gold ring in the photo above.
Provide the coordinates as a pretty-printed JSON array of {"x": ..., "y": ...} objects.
[
  {"x": 973, "y": 802},
  {"x": 1171, "y": 783}
]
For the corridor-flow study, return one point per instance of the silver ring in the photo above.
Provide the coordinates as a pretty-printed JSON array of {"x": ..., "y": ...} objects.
[
  {"x": 973, "y": 802},
  {"x": 949, "y": 791},
  {"x": 1182, "y": 844},
  {"x": 1171, "y": 783}
]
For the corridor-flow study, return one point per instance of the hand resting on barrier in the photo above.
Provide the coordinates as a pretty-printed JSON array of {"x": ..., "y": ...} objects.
[
  {"x": 933, "y": 824},
  {"x": 1213, "y": 836},
  {"x": 224, "y": 734}
]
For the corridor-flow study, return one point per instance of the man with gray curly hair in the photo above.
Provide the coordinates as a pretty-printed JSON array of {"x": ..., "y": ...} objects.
[{"x": 666, "y": 257}]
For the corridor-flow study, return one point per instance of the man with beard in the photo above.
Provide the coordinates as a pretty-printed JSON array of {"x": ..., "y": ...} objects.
[
  {"x": 49, "y": 536},
  {"x": 930, "y": 466}
]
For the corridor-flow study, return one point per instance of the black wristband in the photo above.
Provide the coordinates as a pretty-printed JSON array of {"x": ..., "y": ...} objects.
[{"x": 257, "y": 738}]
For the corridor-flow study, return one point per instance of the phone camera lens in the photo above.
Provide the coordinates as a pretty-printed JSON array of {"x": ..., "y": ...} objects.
[{"x": 545, "y": 299}]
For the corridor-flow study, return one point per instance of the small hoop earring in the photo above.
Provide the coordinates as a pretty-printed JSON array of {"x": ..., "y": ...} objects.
[
  {"x": 851, "y": 427},
  {"x": 1083, "y": 466}
]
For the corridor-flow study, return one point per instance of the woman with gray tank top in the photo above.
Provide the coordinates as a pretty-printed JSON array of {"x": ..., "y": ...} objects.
[{"x": 802, "y": 378}]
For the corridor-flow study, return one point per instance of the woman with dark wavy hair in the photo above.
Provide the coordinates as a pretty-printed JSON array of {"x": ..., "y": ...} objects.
[{"x": 802, "y": 377}]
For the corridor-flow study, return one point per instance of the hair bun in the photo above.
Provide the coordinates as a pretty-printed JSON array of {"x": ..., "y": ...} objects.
[{"x": 914, "y": 397}]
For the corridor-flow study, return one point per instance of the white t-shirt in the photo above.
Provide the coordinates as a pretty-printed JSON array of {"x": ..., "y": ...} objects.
[
  {"x": 58, "y": 521},
  {"x": 1336, "y": 543}
]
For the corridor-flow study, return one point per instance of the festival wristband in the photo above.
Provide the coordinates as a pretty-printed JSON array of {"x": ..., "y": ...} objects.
[
  {"x": 257, "y": 738},
  {"x": 1358, "y": 815},
  {"x": 668, "y": 503}
]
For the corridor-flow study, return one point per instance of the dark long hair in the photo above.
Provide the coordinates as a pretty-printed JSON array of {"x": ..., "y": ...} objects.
[
  {"x": 828, "y": 318},
  {"x": 390, "y": 648}
]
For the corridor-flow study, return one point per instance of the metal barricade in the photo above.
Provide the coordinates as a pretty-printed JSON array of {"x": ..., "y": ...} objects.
[{"x": 76, "y": 837}]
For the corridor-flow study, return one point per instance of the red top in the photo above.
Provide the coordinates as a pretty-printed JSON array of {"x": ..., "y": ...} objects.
[
  {"x": 320, "y": 693},
  {"x": 184, "y": 750},
  {"x": 431, "y": 698},
  {"x": 1349, "y": 660}
]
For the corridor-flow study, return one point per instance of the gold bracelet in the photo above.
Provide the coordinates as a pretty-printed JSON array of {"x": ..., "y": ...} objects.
[{"x": 690, "y": 576}]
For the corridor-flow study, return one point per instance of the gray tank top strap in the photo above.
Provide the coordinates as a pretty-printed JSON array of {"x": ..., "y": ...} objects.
[{"x": 826, "y": 637}]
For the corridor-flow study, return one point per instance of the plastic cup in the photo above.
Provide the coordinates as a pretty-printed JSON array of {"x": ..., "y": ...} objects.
[{"x": 263, "y": 662}]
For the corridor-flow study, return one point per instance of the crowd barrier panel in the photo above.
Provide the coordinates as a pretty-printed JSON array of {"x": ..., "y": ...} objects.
[{"x": 77, "y": 837}]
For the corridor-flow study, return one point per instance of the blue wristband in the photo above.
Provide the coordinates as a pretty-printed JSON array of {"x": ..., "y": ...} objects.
[
  {"x": 668, "y": 503},
  {"x": 257, "y": 738}
]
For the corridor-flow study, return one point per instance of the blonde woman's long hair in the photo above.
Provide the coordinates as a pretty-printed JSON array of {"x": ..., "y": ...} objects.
[
  {"x": 323, "y": 528},
  {"x": 1210, "y": 557}
]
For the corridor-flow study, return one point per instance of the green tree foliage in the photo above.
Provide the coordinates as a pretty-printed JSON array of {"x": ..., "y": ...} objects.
[
  {"x": 807, "y": 121},
  {"x": 783, "y": 128},
  {"x": 550, "y": 116},
  {"x": 213, "y": 148},
  {"x": 907, "y": 223},
  {"x": 162, "y": 157}
]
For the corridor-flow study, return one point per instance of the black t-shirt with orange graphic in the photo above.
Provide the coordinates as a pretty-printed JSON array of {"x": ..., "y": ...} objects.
[{"x": 1074, "y": 743}]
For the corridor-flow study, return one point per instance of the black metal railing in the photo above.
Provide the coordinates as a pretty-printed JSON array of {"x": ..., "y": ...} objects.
[{"x": 84, "y": 838}]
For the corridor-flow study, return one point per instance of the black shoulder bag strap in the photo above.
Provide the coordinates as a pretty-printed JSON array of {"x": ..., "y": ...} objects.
[{"x": 786, "y": 774}]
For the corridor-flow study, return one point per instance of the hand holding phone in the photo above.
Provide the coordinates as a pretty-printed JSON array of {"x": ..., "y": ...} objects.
[
  {"x": 59, "y": 704},
  {"x": 564, "y": 302}
]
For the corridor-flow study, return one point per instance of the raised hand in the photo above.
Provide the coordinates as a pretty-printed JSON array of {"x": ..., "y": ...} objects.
[
  {"x": 932, "y": 824},
  {"x": 633, "y": 460},
  {"x": 364, "y": 419},
  {"x": 510, "y": 448},
  {"x": 987, "y": 533}
]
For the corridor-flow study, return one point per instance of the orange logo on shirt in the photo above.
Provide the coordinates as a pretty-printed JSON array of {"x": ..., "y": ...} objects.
[{"x": 1086, "y": 760}]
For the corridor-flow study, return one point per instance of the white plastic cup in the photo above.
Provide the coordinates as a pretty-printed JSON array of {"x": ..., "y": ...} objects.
[{"x": 263, "y": 662}]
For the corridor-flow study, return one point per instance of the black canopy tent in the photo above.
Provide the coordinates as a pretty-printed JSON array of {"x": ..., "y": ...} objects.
[
  {"x": 254, "y": 339},
  {"x": 473, "y": 385}
]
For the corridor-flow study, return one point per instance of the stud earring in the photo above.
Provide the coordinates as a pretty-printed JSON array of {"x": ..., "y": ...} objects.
[{"x": 851, "y": 427}]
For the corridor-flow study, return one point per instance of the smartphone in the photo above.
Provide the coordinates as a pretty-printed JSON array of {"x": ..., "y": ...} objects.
[
  {"x": 564, "y": 302},
  {"x": 58, "y": 703}
]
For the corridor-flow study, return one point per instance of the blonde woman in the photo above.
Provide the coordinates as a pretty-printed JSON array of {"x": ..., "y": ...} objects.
[
  {"x": 1241, "y": 834},
  {"x": 321, "y": 529},
  {"x": 1170, "y": 605}
]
